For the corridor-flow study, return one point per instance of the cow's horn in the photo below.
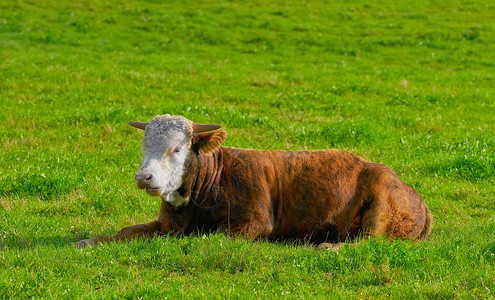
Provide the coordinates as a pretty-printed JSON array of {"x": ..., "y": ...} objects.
[
  {"x": 140, "y": 125},
  {"x": 197, "y": 128}
]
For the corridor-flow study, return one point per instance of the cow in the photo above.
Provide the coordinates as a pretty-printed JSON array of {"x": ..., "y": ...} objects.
[{"x": 322, "y": 197}]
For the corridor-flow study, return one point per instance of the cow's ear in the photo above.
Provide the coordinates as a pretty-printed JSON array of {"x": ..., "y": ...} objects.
[{"x": 207, "y": 142}]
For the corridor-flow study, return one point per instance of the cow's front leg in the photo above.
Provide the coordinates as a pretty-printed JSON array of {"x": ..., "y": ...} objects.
[
  {"x": 128, "y": 233},
  {"x": 251, "y": 224},
  {"x": 251, "y": 230}
]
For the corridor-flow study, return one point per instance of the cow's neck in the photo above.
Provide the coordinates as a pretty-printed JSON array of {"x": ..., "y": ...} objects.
[{"x": 200, "y": 184}]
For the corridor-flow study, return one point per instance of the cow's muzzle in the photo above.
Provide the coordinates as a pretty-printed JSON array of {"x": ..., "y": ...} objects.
[{"x": 143, "y": 180}]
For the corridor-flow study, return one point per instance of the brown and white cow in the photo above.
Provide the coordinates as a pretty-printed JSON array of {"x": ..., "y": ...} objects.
[{"x": 314, "y": 196}]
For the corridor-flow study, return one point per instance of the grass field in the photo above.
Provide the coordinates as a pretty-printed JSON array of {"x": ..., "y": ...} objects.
[{"x": 408, "y": 85}]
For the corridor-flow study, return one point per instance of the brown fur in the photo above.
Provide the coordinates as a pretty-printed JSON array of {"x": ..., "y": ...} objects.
[{"x": 316, "y": 196}]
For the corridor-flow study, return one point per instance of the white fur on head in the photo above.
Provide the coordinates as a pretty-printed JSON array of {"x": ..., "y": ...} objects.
[{"x": 166, "y": 144}]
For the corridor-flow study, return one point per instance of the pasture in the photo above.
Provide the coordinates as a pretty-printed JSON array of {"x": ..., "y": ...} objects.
[{"x": 411, "y": 86}]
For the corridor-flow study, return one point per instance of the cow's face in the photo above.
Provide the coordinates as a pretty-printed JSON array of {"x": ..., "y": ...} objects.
[
  {"x": 166, "y": 143},
  {"x": 167, "y": 148}
]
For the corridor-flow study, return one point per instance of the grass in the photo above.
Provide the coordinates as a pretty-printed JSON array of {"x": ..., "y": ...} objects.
[{"x": 410, "y": 85}]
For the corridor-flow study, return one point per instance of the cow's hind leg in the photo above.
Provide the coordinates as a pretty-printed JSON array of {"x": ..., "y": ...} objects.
[
  {"x": 375, "y": 217},
  {"x": 128, "y": 233},
  {"x": 389, "y": 206},
  {"x": 330, "y": 246},
  {"x": 372, "y": 219},
  {"x": 395, "y": 211}
]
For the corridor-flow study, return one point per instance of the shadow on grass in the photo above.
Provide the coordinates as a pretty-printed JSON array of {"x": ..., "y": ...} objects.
[
  {"x": 37, "y": 185},
  {"x": 33, "y": 242}
]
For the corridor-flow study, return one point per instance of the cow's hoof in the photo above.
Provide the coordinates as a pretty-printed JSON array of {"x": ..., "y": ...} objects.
[
  {"x": 323, "y": 246},
  {"x": 84, "y": 243},
  {"x": 328, "y": 246}
]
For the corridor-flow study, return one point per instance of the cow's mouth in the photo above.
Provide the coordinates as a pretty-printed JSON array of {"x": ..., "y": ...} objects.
[{"x": 154, "y": 191}]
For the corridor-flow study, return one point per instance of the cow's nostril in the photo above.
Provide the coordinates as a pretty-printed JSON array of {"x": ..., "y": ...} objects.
[{"x": 148, "y": 177}]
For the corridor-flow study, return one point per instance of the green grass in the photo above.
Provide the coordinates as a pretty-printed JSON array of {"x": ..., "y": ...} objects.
[{"x": 407, "y": 85}]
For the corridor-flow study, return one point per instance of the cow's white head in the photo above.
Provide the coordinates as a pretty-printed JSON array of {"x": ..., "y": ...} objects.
[{"x": 168, "y": 145}]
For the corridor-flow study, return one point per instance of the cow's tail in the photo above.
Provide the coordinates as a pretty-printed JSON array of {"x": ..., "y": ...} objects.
[{"x": 428, "y": 224}]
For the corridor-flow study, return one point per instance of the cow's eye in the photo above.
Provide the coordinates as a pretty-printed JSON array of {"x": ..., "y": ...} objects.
[{"x": 177, "y": 150}]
